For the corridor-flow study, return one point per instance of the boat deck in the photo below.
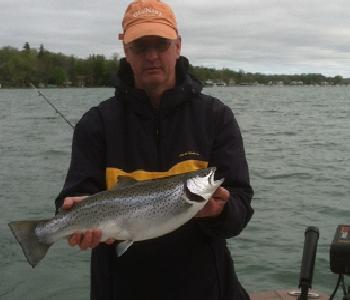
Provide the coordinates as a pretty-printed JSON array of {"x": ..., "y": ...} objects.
[{"x": 284, "y": 295}]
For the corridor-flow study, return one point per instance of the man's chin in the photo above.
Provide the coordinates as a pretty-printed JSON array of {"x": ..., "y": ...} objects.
[{"x": 154, "y": 80}]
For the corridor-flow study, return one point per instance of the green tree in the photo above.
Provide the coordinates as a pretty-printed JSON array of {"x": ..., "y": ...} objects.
[
  {"x": 57, "y": 76},
  {"x": 338, "y": 79},
  {"x": 98, "y": 65},
  {"x": 41, "y": 51},
  {"x": 26, "y": 47}
]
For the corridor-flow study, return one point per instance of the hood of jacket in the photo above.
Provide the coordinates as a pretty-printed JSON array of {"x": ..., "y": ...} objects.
[{"x": 186, "y": 87}]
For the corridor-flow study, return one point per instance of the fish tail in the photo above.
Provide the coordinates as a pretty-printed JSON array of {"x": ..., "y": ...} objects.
[{"x": 33, "y": 249}]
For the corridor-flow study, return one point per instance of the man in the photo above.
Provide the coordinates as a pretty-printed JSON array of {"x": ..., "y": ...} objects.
[{"x": 159, "y": 123}]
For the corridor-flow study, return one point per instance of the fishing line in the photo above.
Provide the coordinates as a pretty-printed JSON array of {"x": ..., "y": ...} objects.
[{"x": 52, "y": 105}]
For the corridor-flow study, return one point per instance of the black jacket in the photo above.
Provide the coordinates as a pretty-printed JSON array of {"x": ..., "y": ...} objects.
[{"x": 125, "y": 135}]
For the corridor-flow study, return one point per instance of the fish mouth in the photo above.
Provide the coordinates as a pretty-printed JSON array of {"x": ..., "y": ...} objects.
[
  {"x": 202, "y": 186},
  {"x": 211, "y": 180},
  {"x": 211, "y": 177}
]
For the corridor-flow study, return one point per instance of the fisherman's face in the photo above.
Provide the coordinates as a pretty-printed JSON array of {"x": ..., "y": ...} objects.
[{"x": 153, "y": 60}]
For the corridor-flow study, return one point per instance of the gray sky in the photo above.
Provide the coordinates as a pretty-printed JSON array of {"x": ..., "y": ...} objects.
[{"x": 268, "y": 36}]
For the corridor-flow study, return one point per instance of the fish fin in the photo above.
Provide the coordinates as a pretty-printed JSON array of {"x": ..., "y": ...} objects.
[
  {"x": 122, "y": 247},
  {"x": 24, "y": 232},
  {"x": 124, "y": 181}
]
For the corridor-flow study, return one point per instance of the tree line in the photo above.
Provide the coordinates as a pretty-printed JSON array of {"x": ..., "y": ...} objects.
[
  {"x": 240, "y": 77},
  {"x": 20, "y": 68}
]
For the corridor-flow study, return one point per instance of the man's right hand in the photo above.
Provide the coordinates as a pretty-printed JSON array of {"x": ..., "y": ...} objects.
[{"x": 88, "y": 239}]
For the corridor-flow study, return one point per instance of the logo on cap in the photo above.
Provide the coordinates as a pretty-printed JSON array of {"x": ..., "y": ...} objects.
[{"x": 147, "y": 12}]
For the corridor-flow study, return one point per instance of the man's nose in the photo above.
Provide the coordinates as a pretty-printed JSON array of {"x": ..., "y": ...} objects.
[{"x": 151, "y": 52}]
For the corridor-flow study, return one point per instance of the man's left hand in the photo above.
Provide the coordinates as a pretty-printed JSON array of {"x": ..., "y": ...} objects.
[{"x": 216, "y": 204}]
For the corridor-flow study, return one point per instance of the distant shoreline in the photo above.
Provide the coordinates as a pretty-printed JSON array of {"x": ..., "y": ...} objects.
[
  {"x": 45, "y": 69},
  {"x": 207, "y": 87}
]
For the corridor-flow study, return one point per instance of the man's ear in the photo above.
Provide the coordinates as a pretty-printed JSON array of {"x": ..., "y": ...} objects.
[
  {"x": 178, "y": 46},
  {"x": 126, "y": 53}
]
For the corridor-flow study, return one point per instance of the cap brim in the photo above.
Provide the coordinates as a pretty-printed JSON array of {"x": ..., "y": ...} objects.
[{"x": 142, "y": 29}]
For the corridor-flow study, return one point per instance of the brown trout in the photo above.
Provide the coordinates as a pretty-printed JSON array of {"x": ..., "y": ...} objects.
[{"x": 131, "y": 211}]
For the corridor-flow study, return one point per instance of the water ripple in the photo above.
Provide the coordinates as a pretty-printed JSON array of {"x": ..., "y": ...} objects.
[{"x": 297, "y": 144}]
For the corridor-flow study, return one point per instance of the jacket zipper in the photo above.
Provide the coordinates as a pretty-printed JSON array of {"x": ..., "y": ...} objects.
[{"x": 157, "y": 138}]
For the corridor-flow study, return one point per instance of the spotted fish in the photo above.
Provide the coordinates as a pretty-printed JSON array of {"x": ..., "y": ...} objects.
[{"x": 131, "y": 211}]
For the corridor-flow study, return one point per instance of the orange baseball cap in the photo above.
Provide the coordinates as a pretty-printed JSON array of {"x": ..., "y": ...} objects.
[{"x": 148, "y": 17}]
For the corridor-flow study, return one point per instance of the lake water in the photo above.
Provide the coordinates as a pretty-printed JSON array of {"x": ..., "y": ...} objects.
[{"x": 297, "y": 141}]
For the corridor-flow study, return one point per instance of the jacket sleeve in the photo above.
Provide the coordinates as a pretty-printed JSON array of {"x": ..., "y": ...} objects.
[
  {"x": 228, "y": 156},
  {"x": 86, "y": 174}
]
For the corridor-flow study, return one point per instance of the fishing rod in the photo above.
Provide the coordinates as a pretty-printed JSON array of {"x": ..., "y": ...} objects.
[{"x": 52, "y": 105}]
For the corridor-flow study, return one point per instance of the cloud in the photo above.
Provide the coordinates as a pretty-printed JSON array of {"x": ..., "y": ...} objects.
[{"x": 270, "y": 36}]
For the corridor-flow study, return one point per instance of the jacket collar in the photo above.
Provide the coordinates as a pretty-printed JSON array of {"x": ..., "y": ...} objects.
[{"x": 186, "y": 87}]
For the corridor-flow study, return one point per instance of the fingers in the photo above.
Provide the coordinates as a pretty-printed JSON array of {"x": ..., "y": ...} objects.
[
  {"x": 216, "y": 204},
  {"x": 95, "y": 238},
  {"x": 211, "y": 209},
  {"x": 69, "y": 202},
  {"x": 74, "y": 239},
  {"x": 90, "y": 239},
  {"x": 86, "y": 241},
  {"x": 221, "y": 194}
]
